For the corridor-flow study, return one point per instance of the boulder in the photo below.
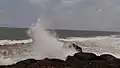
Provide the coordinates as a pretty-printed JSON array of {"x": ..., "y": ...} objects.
[
  {"x": 85, "y": 56},
  {"x": 108, "y": 57},
  {"x": 73, "y": 62},
  {"x": 78, "y": 60},
  {"x": 48, "y": 63},
  {"x": 25, "y": 63}
]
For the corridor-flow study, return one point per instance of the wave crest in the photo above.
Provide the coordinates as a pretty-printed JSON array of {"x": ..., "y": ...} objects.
[{"x": 11, "y": 42}]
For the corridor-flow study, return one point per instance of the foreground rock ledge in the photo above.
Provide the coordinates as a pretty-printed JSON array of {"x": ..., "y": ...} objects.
[{"x": 79, "y": 60}]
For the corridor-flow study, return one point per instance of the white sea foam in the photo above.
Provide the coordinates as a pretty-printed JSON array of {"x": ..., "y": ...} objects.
[
  {"x": 45, "y": 45},
  {"x": 9, "y": 42},
  {"x": 98, "y": 45},
  {"x": 49, "y": 48}
]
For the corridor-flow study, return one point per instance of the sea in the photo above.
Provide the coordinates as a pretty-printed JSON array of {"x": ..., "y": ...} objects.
[{"x": 17, "y": 44}]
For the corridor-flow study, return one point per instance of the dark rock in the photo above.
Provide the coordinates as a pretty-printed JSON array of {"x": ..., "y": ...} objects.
[
  {"x": 77, "y": 47},
  {"x": 108, "y": 57},
  {"x": 73, "y": 62},
  {"x": 48, "y": 63},
  {"x": 79, "y": 60},
  {"x": 96, "y": 58},
  {"x": 25, "y": 63},
  {"x": 85, "y": 56},
  {"x": 28, "y": 61},
  {"x": 58, "y": 63},
  {"x": 42, "y": 64}
]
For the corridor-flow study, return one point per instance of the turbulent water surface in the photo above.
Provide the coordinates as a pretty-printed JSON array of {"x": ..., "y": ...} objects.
[{"x": 42, "y": 45}]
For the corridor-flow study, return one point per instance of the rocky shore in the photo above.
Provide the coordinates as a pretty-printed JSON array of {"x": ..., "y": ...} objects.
[{"x": 78, "y": 60}]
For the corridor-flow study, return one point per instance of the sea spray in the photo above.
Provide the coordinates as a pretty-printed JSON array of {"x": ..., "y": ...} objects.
[
  {"x": 41, "y": 45},
  {"x": 47, "y": 46}
]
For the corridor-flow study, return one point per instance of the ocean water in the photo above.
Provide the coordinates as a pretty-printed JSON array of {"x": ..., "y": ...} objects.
[
  {"x": 17, "y": 45},
  {"x": 21, "y": 33}
]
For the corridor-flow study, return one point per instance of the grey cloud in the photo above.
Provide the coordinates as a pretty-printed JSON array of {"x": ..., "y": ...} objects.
[
  {"x": 82, "y": 14},
  {"x": 68, "y": 14},
  {"x": 16, "y": 13}
]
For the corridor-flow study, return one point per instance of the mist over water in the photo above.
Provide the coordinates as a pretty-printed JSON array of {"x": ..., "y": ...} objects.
[{"x": 47, "y": 46}]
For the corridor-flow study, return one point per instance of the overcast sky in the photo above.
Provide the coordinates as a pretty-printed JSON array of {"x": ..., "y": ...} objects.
[{"x": 65, "y": 14}]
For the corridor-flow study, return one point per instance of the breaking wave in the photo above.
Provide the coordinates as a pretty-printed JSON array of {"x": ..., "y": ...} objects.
[
  {"x": 46, "y": 45},
  {"x": 17, "y": 50},
  {"x": 12, "y": 42},
  {"x": 42, "y": 45},
  {"x": 99, "y": 45}
]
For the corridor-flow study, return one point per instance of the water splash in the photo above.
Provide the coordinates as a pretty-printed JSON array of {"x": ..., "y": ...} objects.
[{"x": 47, "y": 46}]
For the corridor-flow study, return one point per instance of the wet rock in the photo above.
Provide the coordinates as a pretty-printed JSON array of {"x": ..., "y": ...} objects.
[
  {"x": 108, "y": 57},
  {"x": 58, "y": 63},
  {"x": 43, "y": 64},
  {"x": 48, "y": 63},
  {"x": 73, "y": 62},
  {"x": 96, "y": 58},
  {"x": 77, "y": 47},
  {"x": 28, "y": 61},
  {"x": 78, "y": 60},
  {"x": 85, "y": 56},
  {"x": 25, "y": 63},
  {"x": 32, "y": 63}
]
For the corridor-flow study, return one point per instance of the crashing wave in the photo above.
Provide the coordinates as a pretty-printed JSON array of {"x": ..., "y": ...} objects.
[
  {"x": 11, "y": 42},
  {"x": 99, "y": 45},
  {"x": 69, "y": 39}
]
